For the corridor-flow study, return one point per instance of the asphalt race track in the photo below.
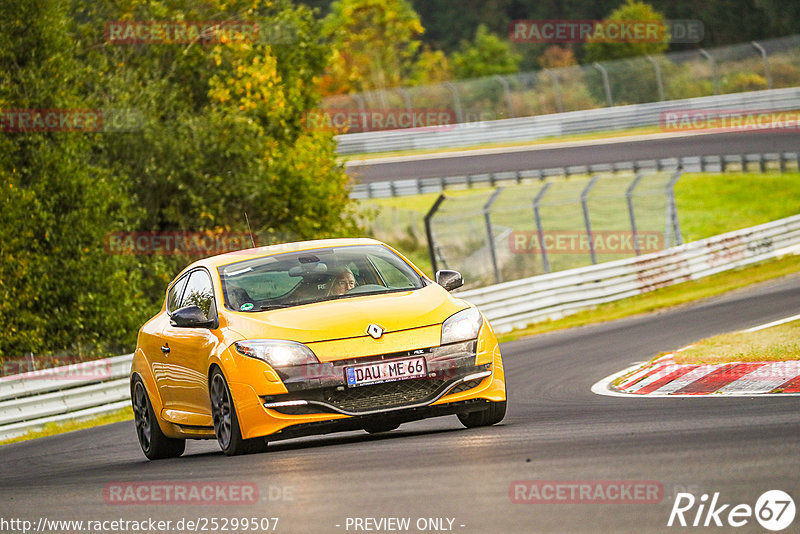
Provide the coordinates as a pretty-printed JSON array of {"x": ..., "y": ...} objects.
[
  {"x": 698, "y": 145},
  {"x": 556, "y": 429}
]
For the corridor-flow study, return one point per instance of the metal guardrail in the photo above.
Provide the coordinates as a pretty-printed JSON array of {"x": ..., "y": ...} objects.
[
  {"x": 34, "y": 399},
  {"x": 557, "y": 124},
  {"x": 768, "y": 64},
  {"x": 31, "y": 400},
  {"x": 550, "y": 296},
  {"x": 708, "y": 163}
]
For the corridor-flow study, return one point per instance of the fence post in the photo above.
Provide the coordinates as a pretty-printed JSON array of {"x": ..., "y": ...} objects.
[
  {"x": 556, "y": 89},
  {"x": 456, "y": 101},
  {"x": 673, "y": 225},
  {"x": 659, "y": 79},
  {"x": 586, "y": 219},
  {"x": 606, "y": 84},
  {"x": 713, "y": 62},
  {"x": 507, "y": 93},
  {"x": 631, "y": 214},
  {"x": 362, "y": 108},
  {"x": 539, "y": 228},
  {"x": 765, "y": 60},
  {"x": 406, "y": 99},
  {"x": 429, "y": 230},
  {"x": 487, "y": 215}
]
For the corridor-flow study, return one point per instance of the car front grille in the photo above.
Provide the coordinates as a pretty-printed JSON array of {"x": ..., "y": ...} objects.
[
  {"x": 464, "y": 386},
  {"x": 388, "y": 395}
]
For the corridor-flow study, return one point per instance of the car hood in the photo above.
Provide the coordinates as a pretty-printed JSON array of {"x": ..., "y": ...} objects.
[{"x": 349, "y": 318}]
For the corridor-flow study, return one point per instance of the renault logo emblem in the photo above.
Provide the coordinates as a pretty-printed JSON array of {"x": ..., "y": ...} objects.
[{"x": 375, "y": 331}]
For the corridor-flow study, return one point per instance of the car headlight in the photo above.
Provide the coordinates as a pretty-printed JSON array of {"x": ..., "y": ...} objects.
[
  {"x": 461, "y": 326},
  {"x": 277, "y": 353}
]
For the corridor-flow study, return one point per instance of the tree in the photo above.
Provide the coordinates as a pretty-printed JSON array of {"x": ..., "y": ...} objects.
[
  {"x": 221, "y": 133},
  {"x": 58, "y": 287},
  {"x": 485, "y": 56},
  {"x": 630, "y": 11},
  {"x": 375, "y": 45}
]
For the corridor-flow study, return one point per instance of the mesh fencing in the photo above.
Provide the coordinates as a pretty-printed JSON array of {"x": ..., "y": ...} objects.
[
  {"x": 552, "y": 225},
  {"x": 744, "y": 67}
]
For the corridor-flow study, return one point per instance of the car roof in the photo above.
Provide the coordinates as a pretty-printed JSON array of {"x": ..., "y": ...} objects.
[{"x": 213, "y": 262}]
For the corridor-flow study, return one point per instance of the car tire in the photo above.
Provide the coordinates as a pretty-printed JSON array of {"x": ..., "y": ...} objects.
[
  {"x": 226, "y": 423},
  {"x": 491, "y": 415},
  {"x": 155, "y": 445},
  {"x": 377, "y": 428}
]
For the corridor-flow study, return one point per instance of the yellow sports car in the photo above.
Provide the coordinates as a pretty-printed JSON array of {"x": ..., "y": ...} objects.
[{"x": 309, "y": 338}]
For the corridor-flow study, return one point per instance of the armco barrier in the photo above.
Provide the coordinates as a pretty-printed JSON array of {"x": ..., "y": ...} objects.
[
  {"x": 710, "y": 163},
  {"x": 521, "y": 302},
  {"x": 30, "y": 401},
  {"x": 557, "y": 124}
]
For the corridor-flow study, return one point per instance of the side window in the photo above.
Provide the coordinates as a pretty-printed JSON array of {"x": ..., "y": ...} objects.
[
  {"x": 198, "y": 292},
  {"x": 175, "y": 294},
  {"x": 394, "y": 277}
]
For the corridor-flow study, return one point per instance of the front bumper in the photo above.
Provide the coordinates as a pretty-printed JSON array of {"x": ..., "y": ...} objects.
[
  {"x": 322, "y": 388},
  {"x": 318, "y": 399}
]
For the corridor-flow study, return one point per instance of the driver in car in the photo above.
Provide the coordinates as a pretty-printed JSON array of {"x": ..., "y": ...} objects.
[{"x": 343, "y": 281}]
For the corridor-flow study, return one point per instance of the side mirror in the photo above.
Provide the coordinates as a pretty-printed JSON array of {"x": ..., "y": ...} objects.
[
  {"x": 449, "y": 280},
  {"x": 191, "y": 317}
]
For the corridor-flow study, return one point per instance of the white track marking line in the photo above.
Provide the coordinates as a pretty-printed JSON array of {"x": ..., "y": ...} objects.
[{"x": 773, "y": 323}]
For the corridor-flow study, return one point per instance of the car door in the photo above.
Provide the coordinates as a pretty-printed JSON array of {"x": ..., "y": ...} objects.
[
  {"x": 186, "y": 358},
  {"x": 157, "y": 348}
]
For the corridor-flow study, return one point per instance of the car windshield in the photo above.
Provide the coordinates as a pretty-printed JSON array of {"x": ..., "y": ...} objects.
[{"x": 297, "y": 278}]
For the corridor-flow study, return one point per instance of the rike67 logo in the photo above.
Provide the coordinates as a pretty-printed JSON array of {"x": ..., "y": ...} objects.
[{"x": 774, "y": 510}]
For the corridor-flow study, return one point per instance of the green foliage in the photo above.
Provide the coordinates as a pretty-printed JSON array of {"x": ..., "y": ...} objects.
[
  {"x": 630, "y": 11},
  {"x": 485, "y": 56},
  {"x": 631, "y": 77},
  {"x": 743, "y": 81},
  {"x": 221, "y": 134},
  {"x": 375, "y": 44}
]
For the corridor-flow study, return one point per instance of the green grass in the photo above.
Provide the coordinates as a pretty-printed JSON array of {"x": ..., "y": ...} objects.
[
  {"x": 51, "y": 429},
  {"x": 778, "y": 343},
  {"x": 666, "y": 297},
  {"x": 708, "y": 204},
  {"x": 711, "y": 204}
]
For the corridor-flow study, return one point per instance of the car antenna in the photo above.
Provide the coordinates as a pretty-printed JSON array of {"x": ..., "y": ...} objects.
[{"x": 253, "y": 241}]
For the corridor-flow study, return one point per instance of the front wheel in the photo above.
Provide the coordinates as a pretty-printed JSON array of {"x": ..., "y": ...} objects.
[
  {"x": 155, "y": 445},
  {"x": 490, "y": 415},
  {"x": 226, "y": 423}
]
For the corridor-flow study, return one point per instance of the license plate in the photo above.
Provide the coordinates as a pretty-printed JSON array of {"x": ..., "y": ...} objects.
[{"x": 390, "y": 371}]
